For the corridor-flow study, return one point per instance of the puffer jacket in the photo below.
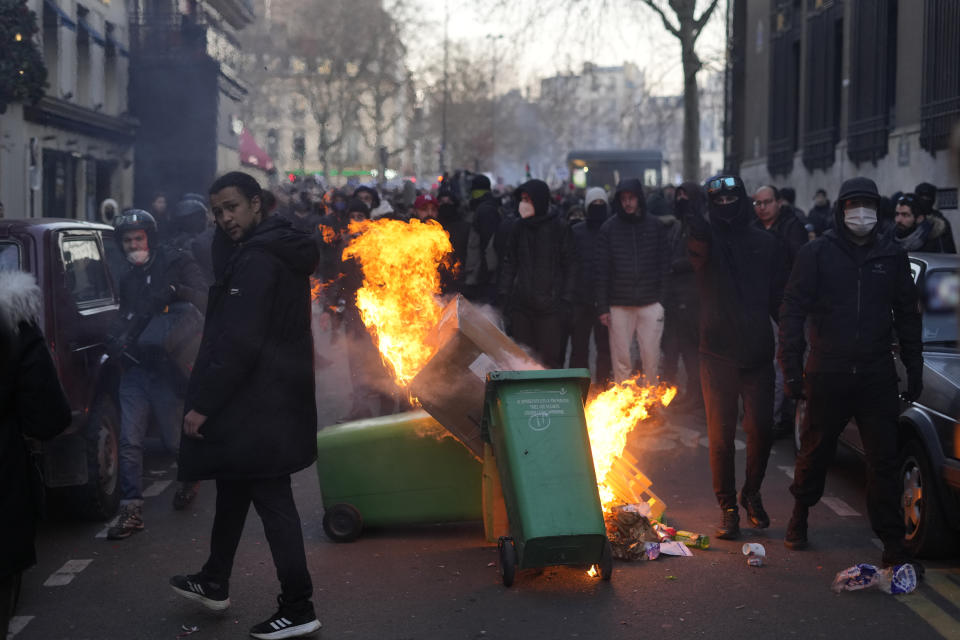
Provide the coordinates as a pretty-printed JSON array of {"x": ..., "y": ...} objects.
[
  {"x": 253, "y": 378},
  {"x": 633, "y": 256}
]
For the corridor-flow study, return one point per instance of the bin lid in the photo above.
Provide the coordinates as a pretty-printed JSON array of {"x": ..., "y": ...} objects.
[{"x": 496, "y": 378}]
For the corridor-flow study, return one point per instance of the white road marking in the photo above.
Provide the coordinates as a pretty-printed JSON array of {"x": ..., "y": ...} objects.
[
  {"x": 840, "y": 507},
  {"x": 65, "y": 574},
  {"x": 787, "y": 470},
  {"x": 112, "y": 523},
  {"x": 17, "y": 623},
  {"x": 739, "y": 445},
  {"x": 156, "y": 488}
]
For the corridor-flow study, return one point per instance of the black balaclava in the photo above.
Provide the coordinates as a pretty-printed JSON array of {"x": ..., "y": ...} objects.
[
  {"x": 733, "y": 213},
  {"x": 596, "y": 214}
]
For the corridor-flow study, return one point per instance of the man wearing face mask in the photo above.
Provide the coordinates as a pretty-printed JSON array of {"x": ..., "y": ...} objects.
[
  {"x": 537, "y": 282},
  {"x": 632, "y": 264},
  {"x": 155, "y": 277},
  {"x": 741, "y": 272},
  {"x": 853, "y": 289},
  {"x": 585, "y": 318}
]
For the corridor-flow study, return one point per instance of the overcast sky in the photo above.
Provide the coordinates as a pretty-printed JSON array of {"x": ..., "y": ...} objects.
[{"x": 544, "y": 37}]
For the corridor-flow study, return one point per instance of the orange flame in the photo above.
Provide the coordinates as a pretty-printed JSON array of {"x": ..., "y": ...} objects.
[
  {"x": 611, "y": 416},
  {"x": 316, "y": 288},
  {"x": 401, "y": 281},
  {"x": 328, "y": 233}
]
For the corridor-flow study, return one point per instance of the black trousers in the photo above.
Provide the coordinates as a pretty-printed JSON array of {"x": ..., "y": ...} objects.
[
  {"x": 544, "y": 333},
  {"x": 723, "y": 384},
  {"x": 273, "y": 500},
  {"x": 681, "y": 339},
  {"x": 8, "y": 593},
  {"x": 585, "y": 322},
  {"x": 871, "y": 399}
]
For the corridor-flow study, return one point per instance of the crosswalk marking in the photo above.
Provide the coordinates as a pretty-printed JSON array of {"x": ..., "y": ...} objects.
[
  {"x": 65, "y": 574},
  {"x": 112, "y": 523},
  {"x": 840, "y": 507},
  {"x": 156, "y": 488},
  {"x": 17, "y": 623},
  {"x": 943, "y": 585},
  {"x": 787, "y": 470},
  {"x": 944, "y": 624}
]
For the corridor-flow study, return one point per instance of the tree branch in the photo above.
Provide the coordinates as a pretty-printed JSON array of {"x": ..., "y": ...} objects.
[
  {"x": 663, "y": 16},
  {"x": 703, "y": 19}
]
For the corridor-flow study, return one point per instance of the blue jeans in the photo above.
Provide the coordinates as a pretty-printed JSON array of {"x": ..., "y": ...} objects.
[{"x": 144, "y": 393}]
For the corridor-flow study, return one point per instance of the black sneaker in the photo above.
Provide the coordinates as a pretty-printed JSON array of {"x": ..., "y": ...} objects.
[
  {"x": 212, "y": 595},
  {"x": 128, "y": 523},
  {"x": 729, "y": 528},
  {"x": 286, "y": 624},
  {"x": 755, "y": 512},
  {"x": 796, "y": 536},
  {"x": 185, "y": 494}
]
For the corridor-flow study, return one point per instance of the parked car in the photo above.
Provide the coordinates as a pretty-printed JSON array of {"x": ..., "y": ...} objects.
[
  {"x": 70, "y": 260},
  {"x": 929, "y": 429}
]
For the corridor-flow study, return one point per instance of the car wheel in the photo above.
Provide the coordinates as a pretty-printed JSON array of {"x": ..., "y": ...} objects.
[
  {"x": 925, "y": 530},
  {"x": 342, "y": 522},
  {"x": 99, "y": 498}
]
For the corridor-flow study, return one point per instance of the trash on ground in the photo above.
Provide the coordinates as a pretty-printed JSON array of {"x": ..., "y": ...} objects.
[
  {"x": 894, "y": 580},
  {"x": 627, "y": 530},
  {"x": 675, "y": 548},
  {"x": 186, "y": 630},
  {"x": 755, "y": 553}
]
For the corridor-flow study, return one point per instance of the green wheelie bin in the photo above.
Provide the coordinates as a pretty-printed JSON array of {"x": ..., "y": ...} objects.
[
  {"x": 535, "y": 422},
  {"x": 393, "y": 470}
]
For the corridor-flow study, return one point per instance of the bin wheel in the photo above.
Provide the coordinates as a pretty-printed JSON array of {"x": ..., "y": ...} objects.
[
  {"x": 605, "y": 565},
  {"x": 342, "y": 522},
  {"x": 508, "y": 560}
]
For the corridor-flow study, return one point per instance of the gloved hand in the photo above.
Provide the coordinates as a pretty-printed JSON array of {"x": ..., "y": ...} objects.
[
  {"x": 914, "y": 387},
  {"x": 794, "y": 389},
  {"x": 163, "y": 297}
]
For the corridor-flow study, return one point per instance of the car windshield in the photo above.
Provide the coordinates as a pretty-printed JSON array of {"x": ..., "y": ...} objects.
[{"x": 940, "y": 291}]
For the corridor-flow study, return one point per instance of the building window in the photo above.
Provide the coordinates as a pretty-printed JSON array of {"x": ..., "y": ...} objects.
[
  {"x": 940, "y": 107},
  {"x": 784, "y": 86},
  {"x": 873, "y": 78},
  {"x": 83, "y": 58},
  {"x": 824, "y": 78}
]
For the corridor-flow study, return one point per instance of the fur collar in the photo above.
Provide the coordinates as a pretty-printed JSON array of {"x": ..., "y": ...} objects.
[{"x": 20, "y": 299}]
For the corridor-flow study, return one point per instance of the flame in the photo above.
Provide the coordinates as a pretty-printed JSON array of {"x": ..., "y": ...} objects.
[
  {"x": 401, "y": 281},
  {"x": 316, "y": 288},
  {"x": 329, "y": 234},
  {"x": 611, "y": 416},
  {"x": 592, "y": 572}
]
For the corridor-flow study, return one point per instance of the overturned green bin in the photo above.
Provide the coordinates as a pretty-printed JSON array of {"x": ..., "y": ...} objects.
[
  {"x": 536, "y": 424},
  {"x": 393, "y": 470}
]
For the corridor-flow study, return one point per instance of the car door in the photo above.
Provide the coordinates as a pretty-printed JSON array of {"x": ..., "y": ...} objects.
[{"x": 86, "y": 311}]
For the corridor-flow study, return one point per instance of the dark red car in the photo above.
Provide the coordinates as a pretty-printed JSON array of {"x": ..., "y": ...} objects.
[{"x": 71, "y": 260}]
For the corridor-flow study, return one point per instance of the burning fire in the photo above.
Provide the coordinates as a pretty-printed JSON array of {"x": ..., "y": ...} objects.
[
  {"x": 611, "y": 416},
  {"x": 401, "y": 281}
]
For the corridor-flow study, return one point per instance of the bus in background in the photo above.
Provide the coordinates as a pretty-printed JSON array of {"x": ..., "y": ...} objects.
[{"x": 606, "y": 168}]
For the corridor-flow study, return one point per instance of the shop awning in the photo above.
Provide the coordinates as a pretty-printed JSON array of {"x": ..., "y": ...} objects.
[{"x": 252, "y": 154}]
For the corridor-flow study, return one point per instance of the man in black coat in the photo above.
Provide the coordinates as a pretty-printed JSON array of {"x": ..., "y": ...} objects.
[
  {"x": 482, "y": 259},
  {"x": 940, "y": 239},
  {"x": 741, "y": 272},
  {"x": 633, "y": 259},
  {"x": 536, "y": 286},
  {"x": 853, "y": 290},
  {"x": 251, "y": 416},
  {"x": 585, "y": 318},
  {"x": 32, "y": 404}
]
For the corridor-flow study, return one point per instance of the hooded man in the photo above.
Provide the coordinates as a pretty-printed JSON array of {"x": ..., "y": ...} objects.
[
  {"x": 633, "y": 259},
  {"x": 585, "y": 317},
  {"x": 251, "y": 417},
  {"x": 536, "y": 286},
  {"x": 482, "y": 259},
  {"x": 940, "y": 237},
  {"x": 379, "y": 207},
  {"x": 451, "y": 219},
  {"x": 741, "y": 272},
  {"x": 820, "y": 216},
  {"x": 681, "y": 338},
  {"x": 851, "y": 315}
]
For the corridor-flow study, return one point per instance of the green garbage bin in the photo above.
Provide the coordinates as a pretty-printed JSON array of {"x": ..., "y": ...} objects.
[
  {"x": 391, "y": 470},
  {"x": 535, "y": 422}
]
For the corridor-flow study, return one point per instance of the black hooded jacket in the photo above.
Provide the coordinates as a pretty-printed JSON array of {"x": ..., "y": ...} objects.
[
  {"x": 633, "y": 256},
  {"x": 741, "y": 272},
  {"x": 855, "y": 298},
  {"x": 788, "y": 229},
  {"x": 585, "y": 234},
  {"x": 682, "y": 292},
  {"x": 253, "y": 377},
  {"x": 539, "y": 264}
]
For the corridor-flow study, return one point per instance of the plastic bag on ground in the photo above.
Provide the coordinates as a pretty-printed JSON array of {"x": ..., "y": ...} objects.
[{"x": 894, "y": 580}]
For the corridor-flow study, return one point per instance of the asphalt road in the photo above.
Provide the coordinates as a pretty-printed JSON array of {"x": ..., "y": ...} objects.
[{"x": 441, "y": 581}]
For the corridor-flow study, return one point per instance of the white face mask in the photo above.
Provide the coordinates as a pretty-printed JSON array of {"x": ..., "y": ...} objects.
[
  {"x": 860, "y": 221},
  {"x": 526, "y": 210},
  {"x": 138, "y": 257}
]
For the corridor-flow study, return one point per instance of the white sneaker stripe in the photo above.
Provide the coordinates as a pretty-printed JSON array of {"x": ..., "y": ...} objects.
[
  {"x": 285, "y": 621},
  {"x": 275, "y": 624}
]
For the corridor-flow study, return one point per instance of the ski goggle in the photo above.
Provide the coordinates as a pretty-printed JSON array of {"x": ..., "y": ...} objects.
[
  {"x": 720, "y": 184},
  {"x": 134, "y": 218}
]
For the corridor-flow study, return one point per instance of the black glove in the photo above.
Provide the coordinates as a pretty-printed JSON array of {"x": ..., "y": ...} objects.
[
  {"x": 914, "y": 387},
  {"x": 163, "y": 297},
  {"x": 794, "y": 389}
]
